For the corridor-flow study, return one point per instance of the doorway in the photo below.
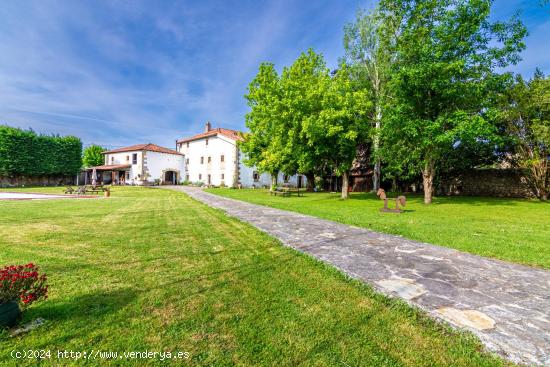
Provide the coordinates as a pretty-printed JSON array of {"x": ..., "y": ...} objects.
[{"x": 170, "y": 178}]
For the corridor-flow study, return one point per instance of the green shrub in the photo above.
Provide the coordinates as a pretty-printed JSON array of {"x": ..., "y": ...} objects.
[{"x": 26, "y": 153}]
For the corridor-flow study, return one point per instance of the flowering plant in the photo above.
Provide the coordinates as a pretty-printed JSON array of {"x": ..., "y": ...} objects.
[{"x": 22, "y": 283}]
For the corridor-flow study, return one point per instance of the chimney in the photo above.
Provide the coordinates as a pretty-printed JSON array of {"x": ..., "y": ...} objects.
[{"x": 207, "y": 127}]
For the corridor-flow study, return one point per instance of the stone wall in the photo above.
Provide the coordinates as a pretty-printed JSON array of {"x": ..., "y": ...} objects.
[
  {"x": 361, "y": 183},
  {"x": 487, "y": 182},
  {"x": 17, "y": 181}
]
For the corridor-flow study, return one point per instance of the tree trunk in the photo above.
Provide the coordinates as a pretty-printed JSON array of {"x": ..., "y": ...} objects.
[
  {"x": 310, "y": 184},
  {"x": 376, "y": 146},
  {"x": 376, "y": 176},
  {"x": 345, "y": 185},
  {"x": 428, "y": 174},
  {"x": 539, "y": 177}
]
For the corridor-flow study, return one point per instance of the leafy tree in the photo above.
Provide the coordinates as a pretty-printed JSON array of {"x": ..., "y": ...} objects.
[
  {"x": 301, "y": 101},
  {"x": 370, "y": 62},
  {"x": 322, "y": 119},
  {"x": 339, "y": 128},
  {"x": 445, "y": 55},
  {"x": 92, "y": 156},
  {"x": 263, "y": 145},
  {"x": 526, "y": 116},
  {"x": 306, "y": 120}
]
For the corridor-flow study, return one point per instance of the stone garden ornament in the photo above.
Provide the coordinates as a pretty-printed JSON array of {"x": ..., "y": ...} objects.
[{"x": 399, "y": 201}]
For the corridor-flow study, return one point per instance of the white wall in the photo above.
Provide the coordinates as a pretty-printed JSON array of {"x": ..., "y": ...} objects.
[
  {"x": 217, "y": 146},
  {"x": 247, "y": 178},
  {"x": 292, "y": 180},
  {"x": 126, "y": 158},
  {"x": 157, "y": 163}
]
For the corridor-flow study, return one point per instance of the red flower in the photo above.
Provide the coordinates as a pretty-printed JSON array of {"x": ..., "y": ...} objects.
[{"x": 22, "y": 282}]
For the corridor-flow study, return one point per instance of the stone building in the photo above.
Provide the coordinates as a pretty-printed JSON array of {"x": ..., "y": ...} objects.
[
  {"x": 141, "y": 164},
  {"x": 214, "y": 158}
]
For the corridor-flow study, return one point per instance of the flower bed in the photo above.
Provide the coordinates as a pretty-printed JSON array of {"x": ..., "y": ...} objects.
[{"x": 20, "y": 285}]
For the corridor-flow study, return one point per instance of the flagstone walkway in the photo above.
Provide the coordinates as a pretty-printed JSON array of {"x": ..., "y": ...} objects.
[{"x": 506, "y": 305}]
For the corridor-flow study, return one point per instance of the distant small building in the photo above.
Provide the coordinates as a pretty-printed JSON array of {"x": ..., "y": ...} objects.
[
  {"x": 360, "y": 174},
  {"x": 141, "y": 164},
  {"x": 213, "y": 158}
]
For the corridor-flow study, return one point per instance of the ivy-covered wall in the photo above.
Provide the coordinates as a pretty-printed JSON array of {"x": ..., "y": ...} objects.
[{"x": 26, "y": 153}]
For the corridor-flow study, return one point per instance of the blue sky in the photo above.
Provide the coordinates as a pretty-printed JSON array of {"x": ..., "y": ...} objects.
[{"x": 125, "y": 72}]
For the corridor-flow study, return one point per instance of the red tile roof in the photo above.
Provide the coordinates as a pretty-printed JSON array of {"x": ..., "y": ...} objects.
[
  {"x": 110, "y": 167},
  {"x": 149, "y": 147},
  {"x": 231, "y": 134}
]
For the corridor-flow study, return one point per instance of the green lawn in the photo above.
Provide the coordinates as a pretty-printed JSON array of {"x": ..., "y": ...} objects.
[
  {"x": 155, "y": 270},
  {"x": 509, "y": 229}
]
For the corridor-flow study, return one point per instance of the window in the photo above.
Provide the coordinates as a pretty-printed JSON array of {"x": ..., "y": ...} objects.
[
  {"x": 128, "y": 174},
  {"x": 286, "y": 178},
  {"x": 127, "y": 158},
  {"x": 200, "y": 176},
  {"x": 209, "y": 159},
  {"x": 256, "y": 176},
  {"x": 202, "y": 160},
  {"x": 112, "y": 159},
  {"x": 187, "y": 161},
  {"x": 186, "y": 177},
  {"x": 187, "y": 144},
  {"x": 223, "y": 176},
  {"x": 134, "y": 158},
  {"x": 223, "y": 158},
  {"x": 206, "y": 141}
]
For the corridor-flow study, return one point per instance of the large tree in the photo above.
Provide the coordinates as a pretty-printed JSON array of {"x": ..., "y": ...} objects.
[
  {"x": 263, "y": 145},
  {"x": 305, "y": 121},
  {"x": 446, "y": 52},
  {"x": 526, "y": 114},
  {"x": 341, "y": 126},
  {"x": 301, "y": 101},
  {"x": 92, "y": 155},
  {"x": 370, "y": 61}
]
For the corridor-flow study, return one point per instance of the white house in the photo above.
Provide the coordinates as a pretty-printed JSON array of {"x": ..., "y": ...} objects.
[
  {"x": 141, "y": 164},
  {"x": 213, "y": 158}
]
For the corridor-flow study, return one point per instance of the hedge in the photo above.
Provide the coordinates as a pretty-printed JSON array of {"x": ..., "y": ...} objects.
[{"x": 26, "y": 153}]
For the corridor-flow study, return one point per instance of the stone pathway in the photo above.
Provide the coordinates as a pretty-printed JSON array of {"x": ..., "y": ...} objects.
[{"x": 506, "y": 305}]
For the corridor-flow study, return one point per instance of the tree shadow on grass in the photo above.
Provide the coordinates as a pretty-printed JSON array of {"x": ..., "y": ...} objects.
[
  {"x": 97, "y": 304},
  {"x": 365, "y": 196},
  {"x": 453, "y": 200},
  {"x": 483, "y": 201},
  {"x": 76, "y": 316},
  {"x": 474, "y": 200}
]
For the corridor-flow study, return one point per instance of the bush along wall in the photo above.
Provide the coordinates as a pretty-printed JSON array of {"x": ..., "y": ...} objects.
[{"x": 26, "y": 153}]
